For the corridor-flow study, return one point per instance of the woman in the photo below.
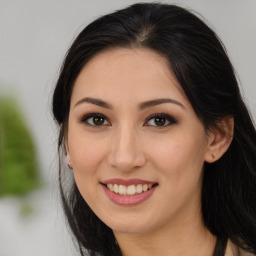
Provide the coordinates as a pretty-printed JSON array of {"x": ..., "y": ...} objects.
[{"x": 162, "y": 147}]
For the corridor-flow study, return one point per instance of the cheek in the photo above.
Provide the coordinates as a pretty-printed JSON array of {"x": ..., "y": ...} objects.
[
  {"x": 86, "y": 158},
  {"x": 85, "y": 150},
  {"x": 180, "y": 155},
  {"x": 180, "y": 164}
]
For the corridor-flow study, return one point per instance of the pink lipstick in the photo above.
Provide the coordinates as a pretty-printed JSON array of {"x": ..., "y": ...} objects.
[
  {"x": 128, "y": 192},
  {"x": 127, "y": 182}
]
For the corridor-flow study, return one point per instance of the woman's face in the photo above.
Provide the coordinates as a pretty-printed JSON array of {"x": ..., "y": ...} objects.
[{"x": 132, "y": 130}]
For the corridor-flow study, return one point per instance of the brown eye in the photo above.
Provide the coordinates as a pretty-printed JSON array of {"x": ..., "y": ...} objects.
[
  {"x": 95, "y": 120},
  {"x": 98, "y": 120},
  {"x": 160, "y": 120}
]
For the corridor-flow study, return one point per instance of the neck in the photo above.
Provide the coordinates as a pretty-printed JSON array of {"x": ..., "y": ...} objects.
[{"x": 189, "y": 237}]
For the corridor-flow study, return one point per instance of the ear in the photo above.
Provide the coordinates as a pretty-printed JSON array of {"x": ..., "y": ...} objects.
[
  {"x": 220, "y": 138},
  {"x": 68, "y": 158},
  {"x": 69, "y": 162}
]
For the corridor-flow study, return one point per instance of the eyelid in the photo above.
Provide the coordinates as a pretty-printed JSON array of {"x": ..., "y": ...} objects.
[
  {"x": 169, "y": 118},
  {"x": 92, "y": 115}
]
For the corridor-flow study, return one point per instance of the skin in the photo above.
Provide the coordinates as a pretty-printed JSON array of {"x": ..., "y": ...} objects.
[{"x": 128, "y": 145}]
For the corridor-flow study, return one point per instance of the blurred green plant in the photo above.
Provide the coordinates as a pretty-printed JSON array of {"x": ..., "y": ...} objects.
[{"x": 19, "y": 172}]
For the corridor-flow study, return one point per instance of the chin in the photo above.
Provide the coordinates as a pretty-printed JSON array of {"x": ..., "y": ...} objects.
[
  {"x": 132, "y": 226},
  {"x": 128, "y": 229}
]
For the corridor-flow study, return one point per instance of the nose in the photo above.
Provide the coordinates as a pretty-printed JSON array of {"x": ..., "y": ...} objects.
[{"x": 126, "y": 150}]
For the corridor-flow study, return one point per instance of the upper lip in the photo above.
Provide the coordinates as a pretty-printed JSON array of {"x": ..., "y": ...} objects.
[{"x": 127, "y": 182}]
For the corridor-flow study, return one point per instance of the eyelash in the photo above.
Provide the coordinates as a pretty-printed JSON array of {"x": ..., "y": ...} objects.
[
  {"x": 167, "y": 118},
  {"x": 85, "y": 119}
]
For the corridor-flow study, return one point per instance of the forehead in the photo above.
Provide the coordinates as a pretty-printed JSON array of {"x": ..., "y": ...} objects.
[{"x": 127, "y": 73}]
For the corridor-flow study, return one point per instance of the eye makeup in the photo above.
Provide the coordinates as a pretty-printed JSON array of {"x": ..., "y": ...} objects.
[
  {"x": 95, "y": 120},
  {"x": 158, "y": 120}
]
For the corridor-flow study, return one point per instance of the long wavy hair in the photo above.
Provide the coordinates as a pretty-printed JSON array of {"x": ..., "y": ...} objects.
[{"x": 201, "y": 65}]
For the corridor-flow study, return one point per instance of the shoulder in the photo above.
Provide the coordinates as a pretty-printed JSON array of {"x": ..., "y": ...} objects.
[{"x": 233, "y": 250}]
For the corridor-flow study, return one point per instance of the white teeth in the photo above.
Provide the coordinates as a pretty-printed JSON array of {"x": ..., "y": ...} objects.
[
  {"x": 139, "y": 188},
  {"x": 116, "y": 189},
  {"x": 145, "y": 187},
  {"x": 110, "y": 186},
  {"x": 122, "y": 190},
  {"x": 129, "y": 190}
]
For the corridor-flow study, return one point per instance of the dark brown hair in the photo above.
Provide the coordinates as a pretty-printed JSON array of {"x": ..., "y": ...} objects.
[{"x": 200, "y": 63}]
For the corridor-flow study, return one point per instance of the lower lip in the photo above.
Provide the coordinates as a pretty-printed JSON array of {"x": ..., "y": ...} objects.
[{"x": 128, "y": 200}]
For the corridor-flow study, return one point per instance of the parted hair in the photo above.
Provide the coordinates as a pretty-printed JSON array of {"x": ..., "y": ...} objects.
[{"x": 200, "y": 63}]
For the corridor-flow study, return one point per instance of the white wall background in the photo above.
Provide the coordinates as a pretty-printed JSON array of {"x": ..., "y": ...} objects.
[{"x": 34, "y": 35}]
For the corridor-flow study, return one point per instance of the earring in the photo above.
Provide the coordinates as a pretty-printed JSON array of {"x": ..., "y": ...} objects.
[{"x": 213, "y": 156}]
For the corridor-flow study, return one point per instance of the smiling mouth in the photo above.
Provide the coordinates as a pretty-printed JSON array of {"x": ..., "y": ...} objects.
[{"x": 129, "y": 190}]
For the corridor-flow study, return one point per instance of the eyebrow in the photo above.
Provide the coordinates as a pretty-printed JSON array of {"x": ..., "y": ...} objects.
[
  {"x": 143, "y": 105},
  {"x": 94, "y": 101},
  {"x": 152, "y": 103}
]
